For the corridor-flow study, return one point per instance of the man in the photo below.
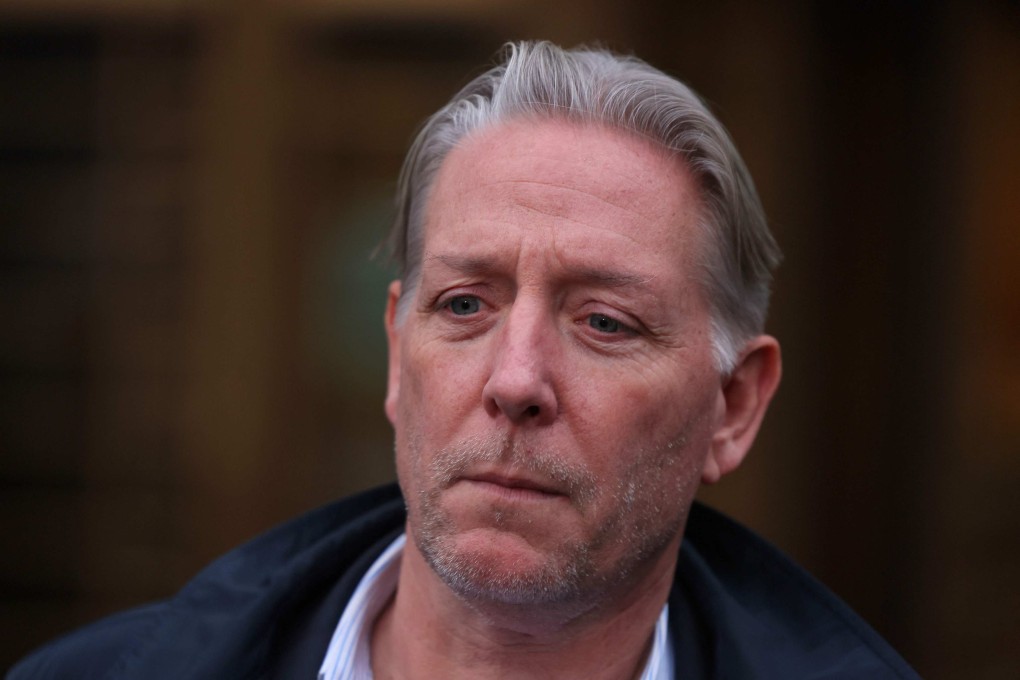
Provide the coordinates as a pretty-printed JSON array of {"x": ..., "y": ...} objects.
[{"x": 575, "y": 344}]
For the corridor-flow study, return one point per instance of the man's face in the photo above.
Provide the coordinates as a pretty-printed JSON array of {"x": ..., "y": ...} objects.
[{"x": 552, "y": 385}]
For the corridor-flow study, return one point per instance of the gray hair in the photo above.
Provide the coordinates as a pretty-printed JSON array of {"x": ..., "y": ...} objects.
[{"x": 541, "y": 80}]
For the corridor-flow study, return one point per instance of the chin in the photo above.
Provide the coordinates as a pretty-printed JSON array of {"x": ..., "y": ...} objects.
[{"x": 500, "y": 567}]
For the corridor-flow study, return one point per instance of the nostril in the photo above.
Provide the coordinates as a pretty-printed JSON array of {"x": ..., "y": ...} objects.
[{"x": 532, "y": 411}]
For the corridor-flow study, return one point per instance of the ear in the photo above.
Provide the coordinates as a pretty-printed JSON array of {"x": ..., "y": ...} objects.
[
  {"x": 743, "y": 398},
  {"x": 393, "y": 341}
]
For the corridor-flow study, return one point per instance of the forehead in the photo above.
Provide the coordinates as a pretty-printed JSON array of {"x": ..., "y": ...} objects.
[{"x": 583, "y": 185}]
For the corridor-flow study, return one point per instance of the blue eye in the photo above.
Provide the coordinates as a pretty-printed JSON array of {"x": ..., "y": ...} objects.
[
  {"x": 604, "y": 324},
  {"x": 463, "y": 305}
]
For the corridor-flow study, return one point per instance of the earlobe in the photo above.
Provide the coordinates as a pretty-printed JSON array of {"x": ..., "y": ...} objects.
[
  {"x": 743, "y": 399},
  {"x": 393, "y": 342}
]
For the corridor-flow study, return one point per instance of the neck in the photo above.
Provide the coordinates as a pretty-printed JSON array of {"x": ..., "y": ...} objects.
[{"x": 427, "y": 631}]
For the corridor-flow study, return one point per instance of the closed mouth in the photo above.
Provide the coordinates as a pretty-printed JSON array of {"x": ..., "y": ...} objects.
[{"x": 511, "y": 483}]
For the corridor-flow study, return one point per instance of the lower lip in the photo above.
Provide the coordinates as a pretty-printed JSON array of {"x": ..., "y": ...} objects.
[{"x": 513, "y": 493}]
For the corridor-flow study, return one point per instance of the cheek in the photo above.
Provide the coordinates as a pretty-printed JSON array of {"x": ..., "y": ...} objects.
[
  {"x": 662, "y": 467},
  {"x": 639, "y": 409},
  {"x": 678, "y": 405},
  {"x": 438, "y": 390},
  {"x": 648, "y": 434}
]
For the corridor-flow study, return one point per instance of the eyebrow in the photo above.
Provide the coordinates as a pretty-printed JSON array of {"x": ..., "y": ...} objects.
[
  {"x": 609, "y": 278},
  {"x": 465, "y": 264},
  {"x": 605, "y": 277}
]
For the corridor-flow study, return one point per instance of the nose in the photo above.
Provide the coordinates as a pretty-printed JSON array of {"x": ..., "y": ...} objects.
[{"x": 520, "y": 386}]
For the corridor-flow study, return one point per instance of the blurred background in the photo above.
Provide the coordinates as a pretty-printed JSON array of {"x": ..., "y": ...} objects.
[{"x": 191, "y": 345}]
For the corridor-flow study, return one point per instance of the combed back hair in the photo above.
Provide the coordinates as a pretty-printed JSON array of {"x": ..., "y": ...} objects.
[{"x": 538, "y": 80}]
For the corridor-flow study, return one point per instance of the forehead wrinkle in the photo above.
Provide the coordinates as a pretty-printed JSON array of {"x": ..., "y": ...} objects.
[
  {"x": 618, "y": 205},
  {"x": 565, "y": 218}
]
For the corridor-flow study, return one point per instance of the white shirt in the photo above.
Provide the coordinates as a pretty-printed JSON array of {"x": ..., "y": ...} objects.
[{"x": 349, "y": 656}]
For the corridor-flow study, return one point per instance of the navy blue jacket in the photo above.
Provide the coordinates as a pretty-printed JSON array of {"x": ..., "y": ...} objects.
[{"x": 738, "y": 609}]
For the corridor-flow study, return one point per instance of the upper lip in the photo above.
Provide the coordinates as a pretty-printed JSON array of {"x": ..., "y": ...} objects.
[{"x": 511, "y": 481}]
